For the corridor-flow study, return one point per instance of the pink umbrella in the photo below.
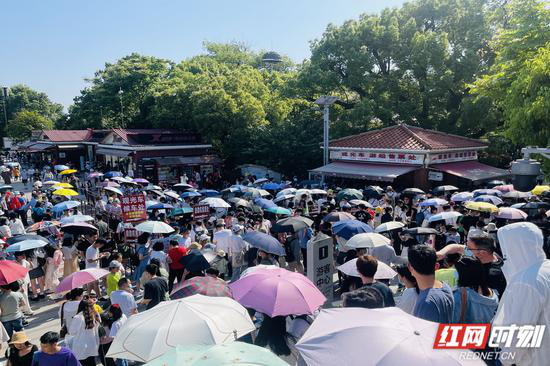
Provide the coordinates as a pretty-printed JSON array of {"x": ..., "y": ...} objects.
[
  {"x": 80, "y": 278},
  {"x": 511, "y": 213},
  {"x": 277, "y": 292},
  {"x": 109, "y": 184},
  {"x": 95, "y": 175},
  {"x": 505, "y": 188}
]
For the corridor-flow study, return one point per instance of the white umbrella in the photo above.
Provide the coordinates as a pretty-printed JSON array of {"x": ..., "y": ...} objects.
[
  {"x": 360, "y": 202},
  {"x": 302, "y": 192},
  {"x": 449, "y": 215},
  {"x": 172, "y": 194},
  {"x": 286, "y": 191},
  {"x": 383, "y": 272},
  {"x": 76, "y": 218},
  {"x": 462, "y": 196},
  {"x": 283, "y": 197},
  {"x": 395, "y": 338},
  {"x": 367, "y": 240},
  {"x": 114, "y": 190},
  {"x": 261, "y": 180},
  {"x": 239, "y": 202},
  {"x": 121, "y": 179},
  {"x": 263, "y": 192},
  {"x": 387, "y": 226},
  {"x": 194, "y": 320},
  {"x": 318, "y": 191},
  {"x": 215, "y": 202},
  {"x": 155, "y": 227},
  {"x": 51, "y": 182}
]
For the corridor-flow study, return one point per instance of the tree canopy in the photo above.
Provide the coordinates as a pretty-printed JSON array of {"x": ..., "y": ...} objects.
[{"x": 24, "y": 122}]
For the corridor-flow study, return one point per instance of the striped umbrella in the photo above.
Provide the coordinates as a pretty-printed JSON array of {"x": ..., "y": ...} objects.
[{"x": 207, "y": 286}]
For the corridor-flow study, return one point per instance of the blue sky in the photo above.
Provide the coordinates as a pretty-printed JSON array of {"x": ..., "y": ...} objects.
[{"x": 52, "y": 45}]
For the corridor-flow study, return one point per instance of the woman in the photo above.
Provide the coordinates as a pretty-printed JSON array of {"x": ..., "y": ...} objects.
[
  {"x": 11, "y": 303},
  {"x": 70, "y": 257},
  {"x": 118, "y": 319},
  {"x": 21, "y": 351},
  {"x": 54, "y": 257},
  {"x": 21, "y": 259},
  {"x": 36, "y": 274},
  {"x": 274, "y": 336},
  {"x": 143, "y": 255},
  {"x": 158, "y": 253},
  {"x": 475, "y": 302},
  {"x": 83, "y": 337},
  {"x": 70, "y": 307},
  {"x": 407, "y": 300}
]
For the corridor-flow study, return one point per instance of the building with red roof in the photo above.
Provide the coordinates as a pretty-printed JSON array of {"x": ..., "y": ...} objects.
[{"x": 408, "y": 156}]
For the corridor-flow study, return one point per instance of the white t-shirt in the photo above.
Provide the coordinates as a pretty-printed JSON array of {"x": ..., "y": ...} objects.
[
  {"x": 116, "y": 326},
  {"x": 161, "y": 256},
  {"x": 221, "y": 239},
  {"x": 83, "y": 342},
  {"x": 92, "y": 253},
  {"x": 69, "y": 311},
  {"x": 125, "y": 300},
  {"x": 407, "y": 300}
]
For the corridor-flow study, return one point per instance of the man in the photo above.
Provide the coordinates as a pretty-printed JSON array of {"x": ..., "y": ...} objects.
[
  {"x": 476, "y": 231},
  {"x": 237, "y": 247},
  {"x": 175, "y": 268},
  {"x": 221, "y": 241},
  {"x": 526, "y": 299},
  {"x": 113, "y": 277},
  {"x": 435, "y": 300},
  {"x": 51, "y": 354},
  {"x": 185, "y": 238},
  {"x": 294, "y": 254},
  {"x": 155, "y": 289},
  {"x": 387, "y": 216},
  {"x": 102, "y": 226},
  {"x": 367, "y": 266},
  {"x": 483, "y": 248},
  {"x": 124, "y": 298},
  {"x": 92, "y": 260}
]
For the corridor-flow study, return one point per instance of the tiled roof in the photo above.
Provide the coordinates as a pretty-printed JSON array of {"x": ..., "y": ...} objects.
[
  {"x": 126, "y": 134},
  {"x": 68, "y": 135},
  {"x": 404, "y": 137}
]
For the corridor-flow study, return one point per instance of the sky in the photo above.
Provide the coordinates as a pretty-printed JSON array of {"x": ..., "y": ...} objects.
[{"x": 53, "y": 45}]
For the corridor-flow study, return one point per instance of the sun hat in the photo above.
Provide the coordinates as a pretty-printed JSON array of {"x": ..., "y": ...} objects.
[
  {"x": 18, "y": 338},
  {"x": 221, "y": 253},
  {"x": 114, "y": 264}
]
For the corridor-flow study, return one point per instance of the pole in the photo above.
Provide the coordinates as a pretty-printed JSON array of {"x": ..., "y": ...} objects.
[
  {"x": 4, "y": 96},
  {"x": 325, "y": 134},
  {"x": 121, "y": 108}
]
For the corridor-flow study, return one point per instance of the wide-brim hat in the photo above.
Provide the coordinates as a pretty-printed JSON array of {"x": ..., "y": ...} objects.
[{"x": 19, "y": 338}]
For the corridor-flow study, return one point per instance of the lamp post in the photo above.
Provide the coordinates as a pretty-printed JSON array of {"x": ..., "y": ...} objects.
[
  {"x": 326, "y": 101},
  {"x": 4, "y": 97},
  {"x": 120, "y": 92}
]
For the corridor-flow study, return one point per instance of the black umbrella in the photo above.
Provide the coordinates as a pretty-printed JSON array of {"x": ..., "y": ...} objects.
[
  {"x": 373, "y": 192},
  {"x": 194, "y": 262},
  {"x": 420, "y": 231},
  {"x": 412, "y": 191},
  {"x": 18, "y": 238},
  {"x": 292, "y": 224},
  {"x": 79, "y": 228}
]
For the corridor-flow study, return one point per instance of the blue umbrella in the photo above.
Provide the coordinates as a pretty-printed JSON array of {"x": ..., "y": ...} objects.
[
  {"x": 194, "y": 262},
  {"x": 278, "y": 210},
  {"x": 264, "y": 203},
  {"x": 178, "y": 211},
  {"x": 190, "y": 194},
  {"x": 209, "y": 192},
  {"x": 26, "y": 245},
  {"x": 113, "y": 174},
  {"x": 67, "y": 205},
  {"x": 348, "y": 228},
  {"x": 160, "y": 206},
  {"x": 264, "y": 242},
  {"x": 489, "y": 199},
  {"x": 271, "y": 186}
]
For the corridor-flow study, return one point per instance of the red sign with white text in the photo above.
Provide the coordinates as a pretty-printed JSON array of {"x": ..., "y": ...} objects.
[{"x": 133, "y": 208}]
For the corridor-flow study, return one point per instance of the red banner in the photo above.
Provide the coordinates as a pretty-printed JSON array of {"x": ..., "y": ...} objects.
[
  {"x": 133, "y": 208},
  {"x": 201, "y": 212}
]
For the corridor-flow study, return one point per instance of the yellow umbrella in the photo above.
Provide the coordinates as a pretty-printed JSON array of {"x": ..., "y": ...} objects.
[
  {"x": 68, "y": 171},
  {"x": 481, "y": 206},
  {"x": 65, "y": 192},
  {"x": 540, "y": 189},
  {"x": 63, "y": 185}
]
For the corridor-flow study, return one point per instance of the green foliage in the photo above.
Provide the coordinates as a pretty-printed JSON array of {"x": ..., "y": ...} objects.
[
  {"x": 21, "y": 97},
  {"x": 24, "y": 122}
]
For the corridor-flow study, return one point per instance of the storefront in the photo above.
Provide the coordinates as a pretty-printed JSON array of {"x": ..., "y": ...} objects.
[{"x": 407, "y": 156}]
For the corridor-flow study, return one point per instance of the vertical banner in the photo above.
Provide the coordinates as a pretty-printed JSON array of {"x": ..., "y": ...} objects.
[
  {"x": 133, "y": 207},
  {"x": 320, "y": 265}
]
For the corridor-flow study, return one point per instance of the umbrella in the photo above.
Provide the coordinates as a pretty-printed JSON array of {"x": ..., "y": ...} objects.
[
  {"x": 389, "y": 226},
  {"x": 360, "y": 202},
  {"x": 348, "y": 228},
  {"x": 160, "y": 206},
  {"x": 112, "y": 174},
  {"x": 11, "y": 271},
  {"x": 172, "y": 194},
  {"x": 61, "y": 167},
  {"x": 412, "y": 191},
  {"x": 42, "y": 225},
  {"x": 496, "y": 182},
  {"x": 481, "y": 206},
  {"x": 505, "y": 188},
  {"x": 51, "y": 183},
  {"x": 209, "y": 192},
  {"x": 154, "y": 227},
  {"x": 12, "y": 164},
  {"x": 194, "y": 262},
  {"x": 433, "y": 202},
  {"x": 349, "y": 194},
  {"x": 181, "y": 187},
  {"x": 5, "y": 188},
  {"x": 79, "y": 228},
  {"x": 26, "y": 245},
  {"x": 114, "y": 190},
  {"x": 318, "y": 191},
  {"x": 263, "y": 193},
  {"x": 19, "y": 238},
  {"x": 383, "y": 271},
  {"x": 538, "y": 190},
  {"x": 76, "y": 218},
  {"x": 373, "y": 192},
  {"x": 207, "y": 286},
  {"x": 489, "y": 199},
  {"x": 81, "y": 278},
  {"x": 395, "y": 338},
  {"x": 271, "y": 186},
  {"x": 446, "y": 188},
  {"x": 263, "y": 203},
  {"x": 108, "y": 183},
  {"x": 292, "y": 224},
  {"x": 421, "y": 231},
  {"x": 140, "y": 180},
  {"x": 68, "y": 171},
  {"x": 261, "y": 180},
  {"x": 191, "y": 321},
  {"x": 287, "y": 191},
  {"x": 462, "y": 197},
  {"x": 277, "y": 292},
  {"x": 63, "y": 185},
  {"x": 283, "y": 198},
  {"x": 120, "y": 179},
  {"x": 95, "y": 175},
  {"x": 215, "y": 202},
  {"x": 239, "y": 202},
  {"x": 367, "y": 240},
  {"x": 279, "y": 210},
  {"x": 449, "y": 215},
  {"x": 65, "y": 192},
  {"x": 234, "y": 353},
  {"x": 490, "y": 192},
  {"x": 516, "y": 195},
  {"x": 190, "y": 194},
  {"x": 337, "y": 216},
  {"x": 264, "y": 242},
  {"x": 511, "y": 213},
  {"x": 179, "y": 211}
]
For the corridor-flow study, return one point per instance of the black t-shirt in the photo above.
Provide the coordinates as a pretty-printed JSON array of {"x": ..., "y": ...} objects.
[
  {"x": 385, "y": 291},
  {"x": 468, "y": 221},
  {"x": 363, "y": 216},
  {"x": 16, "y": 360},
  {"x": 386, "y": 218},
  {"x": 155, "y": 289},
  {"x": 495, "y": 277}
]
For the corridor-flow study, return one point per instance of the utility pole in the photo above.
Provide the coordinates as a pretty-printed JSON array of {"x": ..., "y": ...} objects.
[
  {"x": 4, "y": 98},
  {"x": 326, "y": 101},
  {"x": 120, "y": 92}
]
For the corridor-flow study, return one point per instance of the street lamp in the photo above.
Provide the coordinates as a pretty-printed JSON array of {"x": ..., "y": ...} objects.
[
  {"x": 325, "y": 101},
  {"x": 120, "y": 92},
  {"x": 4, "y": 98}
]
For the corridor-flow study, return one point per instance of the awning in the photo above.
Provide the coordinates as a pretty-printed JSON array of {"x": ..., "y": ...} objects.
[
  {"x": 380, "y": 172},
  {"x": 113, "y": 152},
  {"x": 190, "y": 160},
  {"x": 471, "y": 170},
  {"x": 37, "y": 147}
]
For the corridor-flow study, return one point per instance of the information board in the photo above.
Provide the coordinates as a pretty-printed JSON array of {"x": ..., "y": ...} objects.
[
  {"x": 320, "y": 264},
  {"x": 133, "y": 207},
  {"x": 201, "y": 212}
]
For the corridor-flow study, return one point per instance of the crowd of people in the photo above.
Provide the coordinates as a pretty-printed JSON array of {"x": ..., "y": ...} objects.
[{"x": 454, "y": 262}]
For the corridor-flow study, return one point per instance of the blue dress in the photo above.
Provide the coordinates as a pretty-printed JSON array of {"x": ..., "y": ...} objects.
[{"x": 144, "y": 251}]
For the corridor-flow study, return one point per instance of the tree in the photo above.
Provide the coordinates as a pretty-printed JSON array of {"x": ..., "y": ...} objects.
[
  {"x": 21, "y": 126},
  {"x": 21, "y": 97}
]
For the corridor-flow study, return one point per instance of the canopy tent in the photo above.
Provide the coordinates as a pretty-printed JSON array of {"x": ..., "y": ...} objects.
[
  {"x": 380, "y": 172},
  {"x": 471, "y": 170}
]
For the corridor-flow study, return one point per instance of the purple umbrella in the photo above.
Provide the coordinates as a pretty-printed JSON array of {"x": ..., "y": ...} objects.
[
  {"x": 140, "y": 180},
  {"x": 277, "y": 292},
  {"x": 264, "y": 203},
  {"x": 264, "y": 242},
  {"x": 511, "y": 213}
]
